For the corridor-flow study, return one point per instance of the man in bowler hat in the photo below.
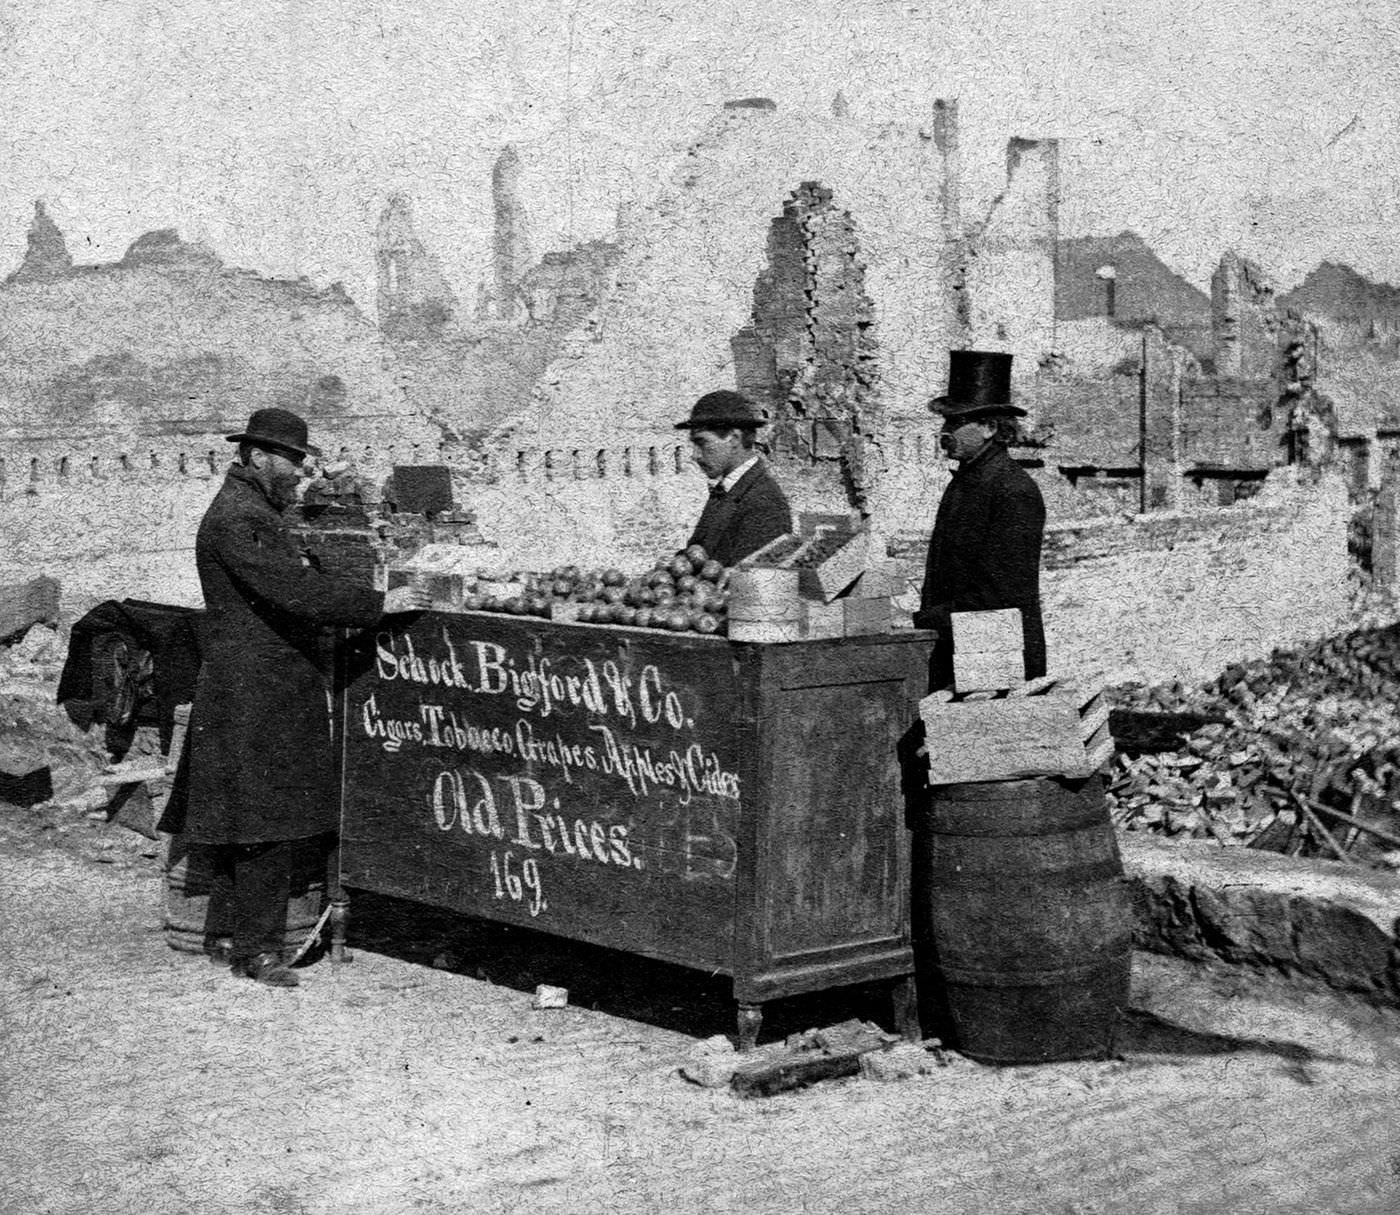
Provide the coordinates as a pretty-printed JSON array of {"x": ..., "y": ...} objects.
[
  {"x": 257, "y": 782},
  {"x": 746, "y": 508},
  {"x": 984, "y": 553}
]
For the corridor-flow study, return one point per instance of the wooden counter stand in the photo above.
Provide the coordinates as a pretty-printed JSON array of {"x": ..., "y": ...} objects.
[{"x": 726, "y": 806}]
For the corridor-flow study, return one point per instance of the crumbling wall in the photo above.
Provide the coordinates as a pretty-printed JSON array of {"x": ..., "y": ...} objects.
[
  {"x": 468, "y": 373},
  {"x": 689, "y": 258},
  {"x": 810, "y": 354},
  {"x": 1180, "y": 596},
  {"x": 114, "y": 515},
  {"x": 168, "y": 339},
  {"x": 1010, "y": 260},
  {"x": 1121, "y": 280},
  {"x": 416, "y": 304},
  {"x": 1173, "y": 595}
]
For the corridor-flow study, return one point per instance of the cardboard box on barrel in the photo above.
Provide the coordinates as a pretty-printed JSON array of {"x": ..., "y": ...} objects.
[{"x": 996, "y": 725}]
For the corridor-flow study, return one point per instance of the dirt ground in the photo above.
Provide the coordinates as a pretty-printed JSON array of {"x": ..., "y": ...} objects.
[{"x": 139, "y": 1079}]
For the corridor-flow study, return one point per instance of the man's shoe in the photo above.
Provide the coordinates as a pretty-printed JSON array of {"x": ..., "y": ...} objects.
[{"x": 266, "y": 968}]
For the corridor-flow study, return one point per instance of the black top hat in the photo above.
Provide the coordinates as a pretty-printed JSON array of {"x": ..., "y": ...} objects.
[
  {"x": 979, "y": 385},
  {"x": 724, "y": 410},
  {"x": 276, "y": 428}
]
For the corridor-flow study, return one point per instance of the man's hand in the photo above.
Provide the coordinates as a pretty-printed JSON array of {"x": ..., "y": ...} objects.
[
  {"x": 407, "y": 599},
  {"x": 936, "y": 618}
]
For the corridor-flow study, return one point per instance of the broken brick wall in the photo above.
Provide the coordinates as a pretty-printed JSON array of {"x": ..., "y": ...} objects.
[
  {"x": 1170, "y": 596},
  {"x": 810, "y": 354},
  {"x": 689, "y": 257},
  {"x": 1009, "y": 260}
]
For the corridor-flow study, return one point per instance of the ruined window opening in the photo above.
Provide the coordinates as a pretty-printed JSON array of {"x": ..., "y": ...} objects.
[
  {"x": 679, "y": 459},
  {"x": 63, "y": 468},
  {"x": 92, "y": 467},
  {"x": 653, "y": 465},
  {"x": 125, "y": 461},
  {"x": 601, "y": 463},
  {"x": 33, "y": 470},
  {"x": 626, "y": 461},
  {"x": 576, "y": 464},
  {"x": 181, "y": 463},
  {"x": 549, "y": 465},
  {"x": 155, "y": 460},
  {"x": 520, "y": 464}
]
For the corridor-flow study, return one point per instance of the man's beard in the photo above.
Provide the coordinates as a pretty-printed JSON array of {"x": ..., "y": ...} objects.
[{"x": 282, "y": 492}]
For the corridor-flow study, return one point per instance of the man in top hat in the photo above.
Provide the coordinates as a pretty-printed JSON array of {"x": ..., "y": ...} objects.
[
  {"x": 746, "y": 507},
  {"x": 256, "y": 781},
  {"x": 984, "y": 553}
]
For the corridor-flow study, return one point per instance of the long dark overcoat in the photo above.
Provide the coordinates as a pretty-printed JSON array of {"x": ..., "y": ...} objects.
[
  {"x": 744, "y": 519},
  {"x": 984, "y": 553},
  {"x": 258, "y": 751}
]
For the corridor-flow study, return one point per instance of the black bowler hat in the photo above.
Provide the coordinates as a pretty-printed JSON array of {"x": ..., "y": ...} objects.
[
  {"x": 280, "y": 429},
  {"x": 724, "y": 410},
  {"x": 979, "y": 385}
]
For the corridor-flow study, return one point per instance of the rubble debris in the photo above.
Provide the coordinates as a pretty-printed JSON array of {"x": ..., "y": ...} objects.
[
  {"x": 809, "y": 1057},
  {"x": 713, "y": 1064},
  {"x": 1303, "y": 736},
  {"x": 903, "y": 1060},
  {"x": 550, "y": 997}
]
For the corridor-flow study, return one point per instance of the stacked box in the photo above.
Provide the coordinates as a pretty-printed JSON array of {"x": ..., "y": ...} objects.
[
  {"x": 988, "y": 650},
  {"x": 823, "y": 619},
  {"x": 1059, "y": 729}
]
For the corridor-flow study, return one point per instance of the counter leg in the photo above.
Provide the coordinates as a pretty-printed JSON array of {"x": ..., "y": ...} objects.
[
  {"x": 904, "y": 997},
  {"x": 340, "y": 919},
  {"x": 750, "y": 1021}
]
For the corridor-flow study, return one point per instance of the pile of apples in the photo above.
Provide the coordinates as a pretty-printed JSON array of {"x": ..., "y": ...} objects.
[{"x": 683, "y": 593}]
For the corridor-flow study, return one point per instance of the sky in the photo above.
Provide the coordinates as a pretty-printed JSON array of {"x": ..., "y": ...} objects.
[{"x": 274, "y": 130}]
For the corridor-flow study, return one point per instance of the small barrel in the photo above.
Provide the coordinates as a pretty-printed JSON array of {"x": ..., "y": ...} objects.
[
  {"x": 198, "y": 907},
  {"x": 764, "y": 606},
  {"x": 1024, "y": 917}
]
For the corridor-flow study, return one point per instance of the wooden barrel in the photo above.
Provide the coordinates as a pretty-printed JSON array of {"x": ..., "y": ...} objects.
[
  {"x": 198, "y": 910},
  {"x": 1024, "y": 918},
  {"x": 764, "y": 605}
]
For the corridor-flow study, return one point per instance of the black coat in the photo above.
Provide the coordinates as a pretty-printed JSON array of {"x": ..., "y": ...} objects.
[
  {"x": 742, "y": 521},
  {"x": 259, "y": 759},
  {"x": 984, "y": 553}
]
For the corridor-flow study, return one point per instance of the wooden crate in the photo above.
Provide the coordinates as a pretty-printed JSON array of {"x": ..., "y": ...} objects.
[
  {"x": 864, "y": 616},
  {"x": 823, "y": 619},
  {"x": 988, "y": 670},
  {"x": 983, "y": 632},
  {"x": 830, "y": 576},
  {"x": 1059, "y": 728}
]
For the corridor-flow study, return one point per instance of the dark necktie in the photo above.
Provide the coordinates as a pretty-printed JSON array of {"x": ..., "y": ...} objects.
[{"x": 717, "y": 490}]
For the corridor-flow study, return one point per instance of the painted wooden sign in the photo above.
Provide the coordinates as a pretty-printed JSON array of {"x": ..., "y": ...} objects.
[{"x": 584, "y": 781}]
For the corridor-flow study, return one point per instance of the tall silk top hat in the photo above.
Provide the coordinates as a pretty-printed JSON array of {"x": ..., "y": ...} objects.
[
  {"x": 723, "y": 410},
  {"x": 277, "y": 428},
  {"x": 979, "y": 385}
]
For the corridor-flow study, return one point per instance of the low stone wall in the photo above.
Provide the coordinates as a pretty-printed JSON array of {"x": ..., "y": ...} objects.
[{"x": 1323, "y": 920}]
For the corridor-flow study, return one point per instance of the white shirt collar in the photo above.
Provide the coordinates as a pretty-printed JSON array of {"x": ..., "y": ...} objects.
[{"x": 731, "y": 478}]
